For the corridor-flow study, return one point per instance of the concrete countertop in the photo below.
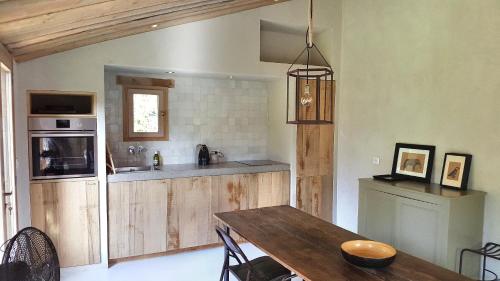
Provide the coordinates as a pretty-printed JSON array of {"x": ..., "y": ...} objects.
[{"x": 192, "y": 170}]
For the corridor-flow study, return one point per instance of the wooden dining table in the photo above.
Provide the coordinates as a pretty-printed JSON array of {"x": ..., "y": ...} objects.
[{"x": 310, "y": 247}]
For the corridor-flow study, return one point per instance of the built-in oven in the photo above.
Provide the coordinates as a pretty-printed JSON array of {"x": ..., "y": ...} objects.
[{"x": 62, "y": 147}]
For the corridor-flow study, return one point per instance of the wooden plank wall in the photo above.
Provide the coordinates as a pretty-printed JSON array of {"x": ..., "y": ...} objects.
[{"x": 315, "y": 168}]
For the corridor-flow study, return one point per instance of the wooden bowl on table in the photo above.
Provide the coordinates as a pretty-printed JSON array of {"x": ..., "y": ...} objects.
[{"x": 367, "y": 253}]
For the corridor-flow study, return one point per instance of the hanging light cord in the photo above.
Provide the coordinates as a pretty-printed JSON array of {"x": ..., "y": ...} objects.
[
  {"x": 307, "y": 48},
  {"x": 309, "y": 38},
  {"x": 310, "y": 32},
  {"x": 307, "y": 64}
]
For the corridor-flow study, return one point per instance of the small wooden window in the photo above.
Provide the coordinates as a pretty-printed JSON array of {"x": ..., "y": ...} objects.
[{"x": 145, "y": 113}]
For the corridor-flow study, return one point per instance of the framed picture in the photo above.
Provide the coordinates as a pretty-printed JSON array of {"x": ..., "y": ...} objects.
[
  {"x": 413, "y": 161},
  {"x": 456, "y": 169}
]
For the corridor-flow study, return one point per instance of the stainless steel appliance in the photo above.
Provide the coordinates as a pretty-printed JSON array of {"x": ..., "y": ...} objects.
[{"x": 62, "y": 147}]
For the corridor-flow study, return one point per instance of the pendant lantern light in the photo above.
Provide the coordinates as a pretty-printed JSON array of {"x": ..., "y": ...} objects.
[{"x": 310, "y": 97}]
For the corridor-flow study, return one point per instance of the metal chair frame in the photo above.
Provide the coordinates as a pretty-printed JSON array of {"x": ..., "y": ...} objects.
[
  {"x": 232, "y": 250},
  {"x": 490, "y": 250},
  {"x": 22, "y": 249}
]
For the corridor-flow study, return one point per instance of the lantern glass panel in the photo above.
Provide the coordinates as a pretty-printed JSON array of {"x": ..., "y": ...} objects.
[{"x": 292, "y": 98}]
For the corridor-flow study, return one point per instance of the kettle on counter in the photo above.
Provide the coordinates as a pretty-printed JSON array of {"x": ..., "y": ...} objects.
[
  {"x": 203, "y": 155},
  {"x": 216, "y": 157}
]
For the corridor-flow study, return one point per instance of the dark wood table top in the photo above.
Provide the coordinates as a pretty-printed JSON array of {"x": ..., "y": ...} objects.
[{"x": 310, "y": 247}]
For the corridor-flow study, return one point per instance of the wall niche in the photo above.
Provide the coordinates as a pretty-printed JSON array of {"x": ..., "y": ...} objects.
[{"x": 280, "y": 43}]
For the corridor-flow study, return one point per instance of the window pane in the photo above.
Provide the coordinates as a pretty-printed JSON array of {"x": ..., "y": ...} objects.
[{"x": 146, "y": 113}]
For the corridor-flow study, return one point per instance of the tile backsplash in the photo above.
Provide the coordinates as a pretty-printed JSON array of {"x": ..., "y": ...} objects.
[{"x": 228, "y": 115}]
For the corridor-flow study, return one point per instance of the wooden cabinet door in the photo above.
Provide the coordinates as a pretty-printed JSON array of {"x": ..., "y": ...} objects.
[
  {"x": 137, "y": 218},
  {"x": 231, "y": 193},
  {"x": 69, "y": 213},
  {"x": 152, "y": 217},
  {"x": 376, "y": 218},
  {"x": 189, "y": 212},
  {"x": 272, "y": 189},
  {"x": 119, "y": 219}
]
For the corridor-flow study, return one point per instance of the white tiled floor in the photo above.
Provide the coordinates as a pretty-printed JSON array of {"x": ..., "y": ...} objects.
[{"x": 202, "y": 265}]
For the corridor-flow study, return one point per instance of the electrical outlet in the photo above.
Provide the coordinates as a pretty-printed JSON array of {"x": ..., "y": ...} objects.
[{"x": 376, "y": 160}]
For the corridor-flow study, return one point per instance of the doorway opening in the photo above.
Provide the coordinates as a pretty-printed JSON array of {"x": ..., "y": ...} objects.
[{"x": 8, "y": 214}]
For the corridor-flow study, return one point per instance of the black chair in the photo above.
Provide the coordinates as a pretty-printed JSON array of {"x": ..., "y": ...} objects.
[
  {"x": 259, "y": 269},
  {"x": 490, "y": 250}
]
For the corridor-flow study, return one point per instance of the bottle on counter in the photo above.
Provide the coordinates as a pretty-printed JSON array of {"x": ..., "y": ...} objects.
[{"x": 156, "y": 160}]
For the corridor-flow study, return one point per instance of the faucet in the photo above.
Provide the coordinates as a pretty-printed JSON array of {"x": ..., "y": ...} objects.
[
  {"x": 140, "y": 149},
  {"x": 131, "y": 150}
]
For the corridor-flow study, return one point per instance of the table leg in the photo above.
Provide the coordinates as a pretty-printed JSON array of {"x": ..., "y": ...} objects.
[
  {"x": 226, "y": 274},
  {"x": 484, "y": 268}
]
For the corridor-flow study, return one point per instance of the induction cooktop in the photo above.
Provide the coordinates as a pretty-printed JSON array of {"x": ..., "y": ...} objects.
[{"x": 257, "y": 162}]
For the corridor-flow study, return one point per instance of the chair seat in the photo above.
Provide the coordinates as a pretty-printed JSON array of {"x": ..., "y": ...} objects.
[
  {"x": 16, "y": 271},
  {"x": 264, "y": 269}
]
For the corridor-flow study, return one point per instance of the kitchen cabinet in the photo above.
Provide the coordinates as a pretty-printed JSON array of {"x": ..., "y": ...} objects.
[
  {"x": 423, "y": 220},
  {"x": 179, "y": 212},
  {"x": 230, "y": 193},
  {"x": 137, "y": 218},
  {"x": 189, "y": 212},
  {"x": 68, "y": 211},
  {"x": 273, "y": 189},
  {"x": 193, "y": 201}
]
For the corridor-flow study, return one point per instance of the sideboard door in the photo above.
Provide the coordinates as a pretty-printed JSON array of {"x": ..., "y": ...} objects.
[
  {"x": 376, "y": 215},
  {"x": 418, "y": 229}
]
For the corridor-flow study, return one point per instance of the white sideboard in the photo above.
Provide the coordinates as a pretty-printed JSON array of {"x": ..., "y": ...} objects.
[{"x": 424, "y": 220}]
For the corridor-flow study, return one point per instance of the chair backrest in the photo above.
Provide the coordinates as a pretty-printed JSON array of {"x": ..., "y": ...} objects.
[{"x": 231, "y": 245}]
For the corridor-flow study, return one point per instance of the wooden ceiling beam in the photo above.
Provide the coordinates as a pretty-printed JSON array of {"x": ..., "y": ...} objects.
[
  {"x": 144, "y": 23},
  {"x": 6, "y": 57},
  {"x": 144, "y": 81},
  {"x": 134, "y": 27},
  {"x": 18, "y": 30},
  {"x": 22, "y": 40},
  {"x": 12, "y": 10}
]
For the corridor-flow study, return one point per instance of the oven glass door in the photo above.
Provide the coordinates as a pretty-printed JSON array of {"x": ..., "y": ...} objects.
[{"x": 62, "y": 155}]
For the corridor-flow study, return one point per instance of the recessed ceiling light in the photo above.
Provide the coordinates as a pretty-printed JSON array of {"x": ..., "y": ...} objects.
[
  {"x": 230, "y": 76},
  {"x": 170, "y": 72},
  {"x": 154, "y": 26}
]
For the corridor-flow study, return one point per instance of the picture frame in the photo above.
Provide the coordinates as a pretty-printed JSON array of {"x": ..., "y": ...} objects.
[
  {"x": 456, "y": 168},
  {"x": 413, "y": 162}
]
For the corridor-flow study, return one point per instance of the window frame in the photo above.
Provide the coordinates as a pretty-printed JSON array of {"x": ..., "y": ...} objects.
[{"x": 128, "y": 113}]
